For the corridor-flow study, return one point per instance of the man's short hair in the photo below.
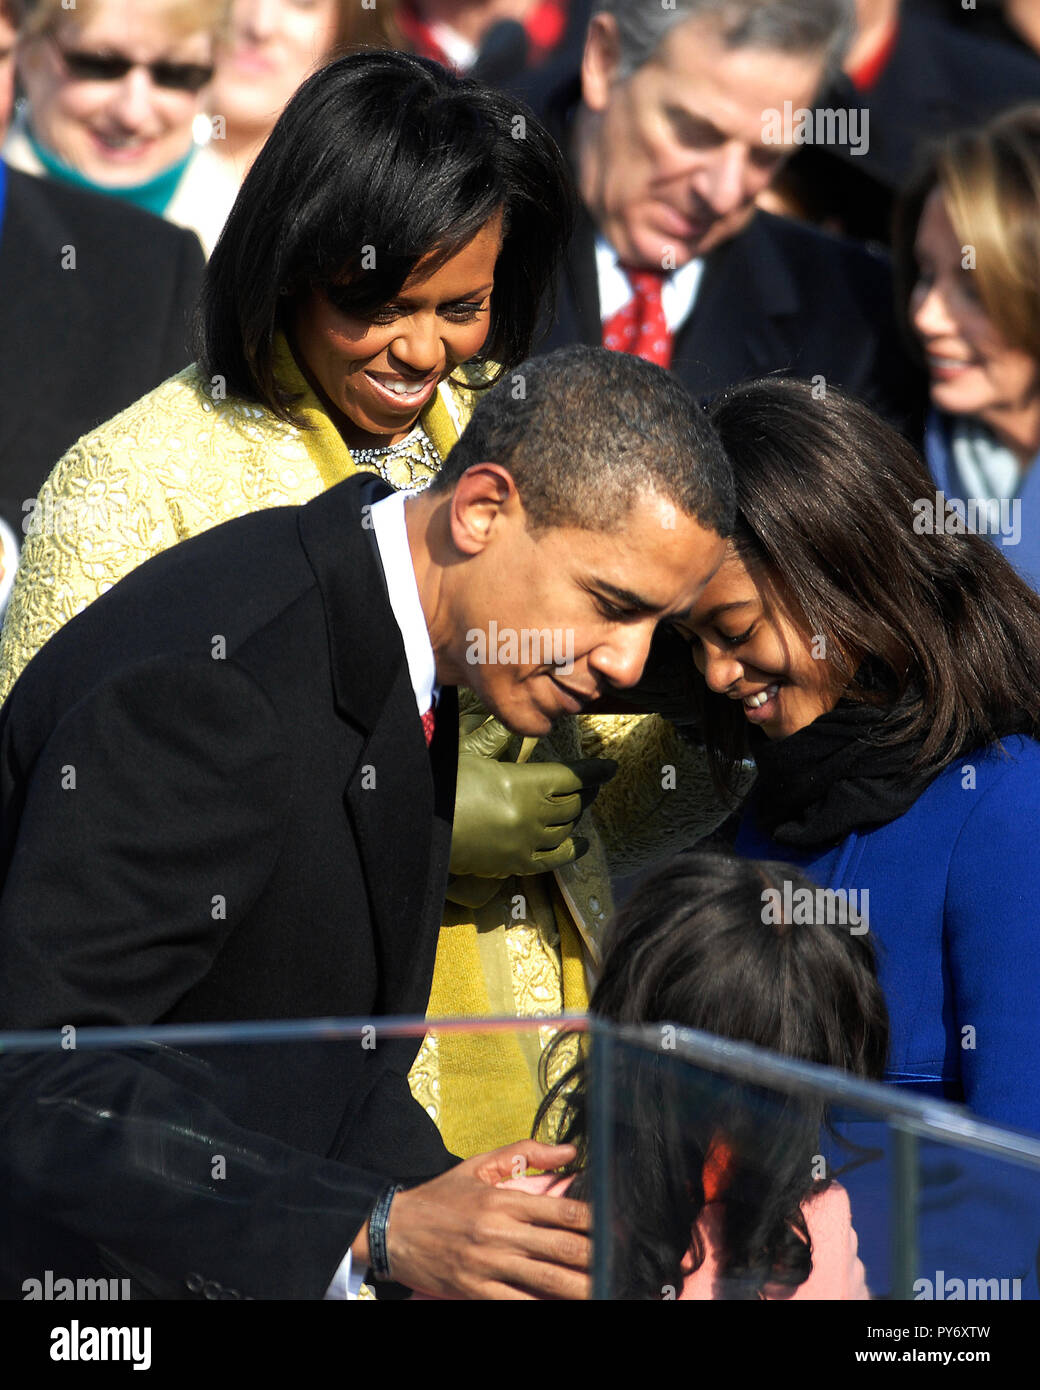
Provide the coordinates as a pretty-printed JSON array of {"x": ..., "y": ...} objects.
[
  {"x": 586, "y": 432},
  {"x": 785, "y": 26}
]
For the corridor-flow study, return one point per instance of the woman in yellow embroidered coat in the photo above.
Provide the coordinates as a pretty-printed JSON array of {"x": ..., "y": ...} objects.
[{"x": 342, "y": 305}]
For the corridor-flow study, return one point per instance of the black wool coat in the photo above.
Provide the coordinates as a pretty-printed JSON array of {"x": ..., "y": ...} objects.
[{"x": 218, "y": 804}]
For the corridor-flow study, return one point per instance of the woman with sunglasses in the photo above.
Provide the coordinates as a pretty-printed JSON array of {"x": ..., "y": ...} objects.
[{"x": 113, "y": 89}]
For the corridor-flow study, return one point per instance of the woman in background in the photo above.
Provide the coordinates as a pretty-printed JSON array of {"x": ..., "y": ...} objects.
[
  {"x": 271, "y": 48},
  {"x": 968, "y": 255},
  {"x": 113, "y": 89}
]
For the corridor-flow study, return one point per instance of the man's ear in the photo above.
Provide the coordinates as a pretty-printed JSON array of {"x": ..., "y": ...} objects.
[
  {"x": 600, "y": 61},
  {"x": 483, "y": 498}
]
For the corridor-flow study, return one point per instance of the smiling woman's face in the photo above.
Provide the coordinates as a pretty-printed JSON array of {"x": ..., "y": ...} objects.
[
  {"x": 747, "y": 644},
  {"x": 115, "y": 130},
  {"x": 274, "y": 46},
  {"x": 375, "y": 372},
  {"x": 973, "y": 370}
]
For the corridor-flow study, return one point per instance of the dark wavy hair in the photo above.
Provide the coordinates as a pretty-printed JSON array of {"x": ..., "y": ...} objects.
[
  {"x": 379, "y": 160},
  {"x": 695, "y": 946},
  {"x": 937, "y": 627}
]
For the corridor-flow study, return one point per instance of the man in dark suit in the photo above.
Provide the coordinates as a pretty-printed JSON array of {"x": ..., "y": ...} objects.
[
  {"x": 96, "y": 299},
  {"x": 218, "y": 804},
  {"x": 669, "y": 133}
]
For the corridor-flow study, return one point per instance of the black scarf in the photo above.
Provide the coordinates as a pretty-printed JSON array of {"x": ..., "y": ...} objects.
[{"x": 832, "y": 777}]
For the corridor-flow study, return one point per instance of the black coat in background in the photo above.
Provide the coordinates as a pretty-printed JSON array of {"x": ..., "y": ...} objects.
[
  {"x": 79, "y": 345},
  {"x": 777, "y": 297},
  {"x": 938, "y": 79},
  {"x": 985, "y": 21},
  {"x": 256, "y": 830}
]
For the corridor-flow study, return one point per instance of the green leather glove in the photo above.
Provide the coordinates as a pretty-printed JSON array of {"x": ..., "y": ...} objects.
[{"x": 517, "y": 818}]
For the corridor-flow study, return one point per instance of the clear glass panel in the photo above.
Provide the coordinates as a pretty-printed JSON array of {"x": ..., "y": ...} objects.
[
  {"x": 234, "y": 1161},
  {"x": 898, "y": 1197},
  {"x": 238, "y": 1161}
]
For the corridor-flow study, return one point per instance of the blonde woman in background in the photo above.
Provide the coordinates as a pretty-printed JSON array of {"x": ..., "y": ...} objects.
[
  {"x": 968, "y": 256},
  {"x": 113, "y": 89}
]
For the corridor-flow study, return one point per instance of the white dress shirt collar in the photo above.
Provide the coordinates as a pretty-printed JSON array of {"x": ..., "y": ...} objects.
[
  {"x": 678, "y": 293},
  {"x": 391, "y": 533}
]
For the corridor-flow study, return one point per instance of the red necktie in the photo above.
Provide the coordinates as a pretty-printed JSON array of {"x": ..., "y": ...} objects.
[
  {"x": 640, "y": 327},
  {"x": 427, "y": 725}
]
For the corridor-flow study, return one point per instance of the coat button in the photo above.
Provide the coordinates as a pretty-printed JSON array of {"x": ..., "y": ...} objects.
[{"x": 594, "y": 904}]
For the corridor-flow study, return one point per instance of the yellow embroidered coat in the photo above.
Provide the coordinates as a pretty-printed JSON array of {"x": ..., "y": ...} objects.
[{"x": 179, "y": 461}]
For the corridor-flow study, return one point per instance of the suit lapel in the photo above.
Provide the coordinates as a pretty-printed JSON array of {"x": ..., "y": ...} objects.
[
  {"x": 745, "y": 316},
  {"x": 581, "y": 285},
  {"x": 335, "y": 531},
  {"x": 404, "y": 858},
  {"x": 390, "y": 801},
  {"x": 577, "y": 317}
]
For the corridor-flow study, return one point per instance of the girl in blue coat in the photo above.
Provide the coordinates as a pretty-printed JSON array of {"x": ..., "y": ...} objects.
[{"x": 885, "y": 678}]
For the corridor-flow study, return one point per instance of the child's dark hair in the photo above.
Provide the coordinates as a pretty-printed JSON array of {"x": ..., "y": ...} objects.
[{"x": 705, "y": 942}]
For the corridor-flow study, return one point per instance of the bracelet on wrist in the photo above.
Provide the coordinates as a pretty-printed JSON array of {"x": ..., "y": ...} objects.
[{"x": 378, "y": 1223}]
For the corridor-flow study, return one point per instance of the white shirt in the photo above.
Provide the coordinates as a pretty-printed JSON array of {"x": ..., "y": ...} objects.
[
  {"x": 9, "y": 551},
  {"x": 454, "y": 46},
  {"x": 391, "y": 533},
  {"x": 678, "y": 292}
]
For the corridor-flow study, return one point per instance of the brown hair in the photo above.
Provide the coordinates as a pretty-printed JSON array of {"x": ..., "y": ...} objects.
[
  {"x": 989, "y": 179},
  {"x": 359, "y": 26},
  {"x": 939, "y": 622}
]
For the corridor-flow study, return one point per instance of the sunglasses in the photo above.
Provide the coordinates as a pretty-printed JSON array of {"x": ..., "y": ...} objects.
[{"x": 113, "y": 67}]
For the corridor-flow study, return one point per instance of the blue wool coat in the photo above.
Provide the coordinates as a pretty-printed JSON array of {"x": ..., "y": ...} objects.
[
  {"x": 1023, "y": 552},
  {"x": 954, "y": 910}
]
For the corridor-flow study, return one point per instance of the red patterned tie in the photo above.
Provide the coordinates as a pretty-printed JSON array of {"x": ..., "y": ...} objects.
[
  {"x": 640, "y": 326},
  {"x": 427, "y": 725}
]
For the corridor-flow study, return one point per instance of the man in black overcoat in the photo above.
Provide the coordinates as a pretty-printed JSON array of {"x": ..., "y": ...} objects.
[{"x": 226, "y": 794}]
